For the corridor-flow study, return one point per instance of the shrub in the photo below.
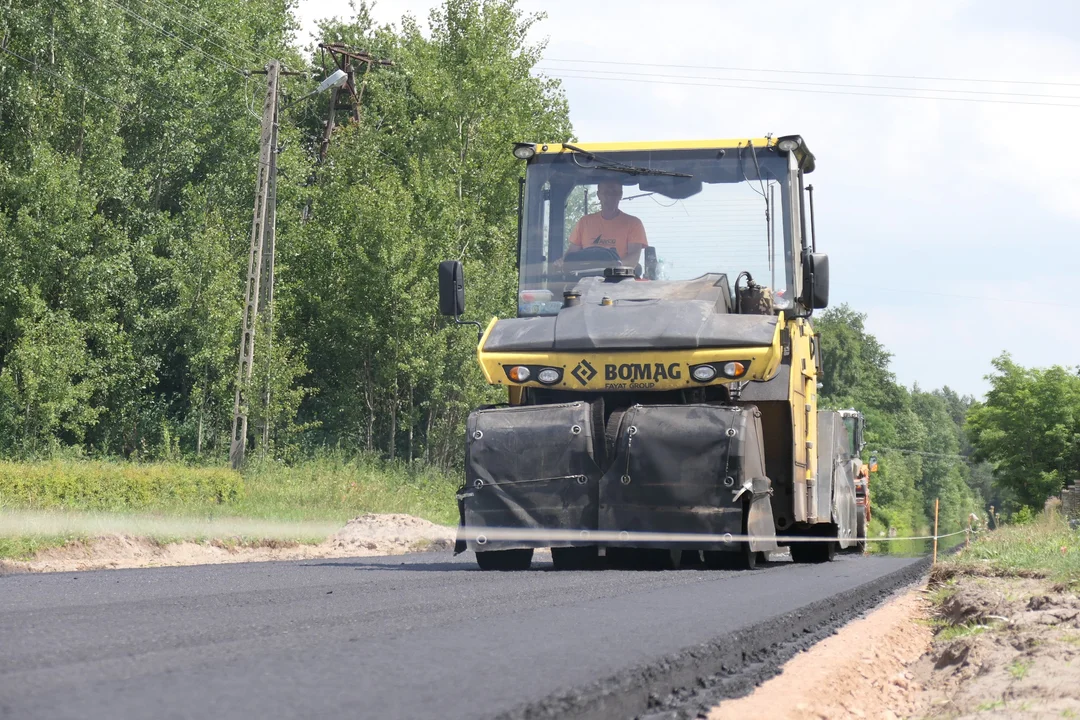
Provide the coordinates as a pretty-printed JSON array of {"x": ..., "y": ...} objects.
[{"x": 103, "y": 485}]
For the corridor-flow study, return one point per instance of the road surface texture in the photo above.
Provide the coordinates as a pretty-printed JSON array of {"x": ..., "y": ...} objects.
[{"x": 420, "y": 636}]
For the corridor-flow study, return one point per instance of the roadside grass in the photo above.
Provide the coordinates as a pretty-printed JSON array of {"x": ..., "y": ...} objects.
[
  {"x": 339, "y": 487},
  {"x": 1000, "y": 573},
  {"x": 24, "y": 546},
  {"x": 1046, "y": 547},
  {"x": 942, "y": 591},
  {"x": 113, "y": 486},
  {"x": 990, "y": 705},
  {"x": 947, "y": 631},
  {"x": 1019, "y": 668},
  {"x": 270, "y": 501},
  {"x": 879, "y": 542}
]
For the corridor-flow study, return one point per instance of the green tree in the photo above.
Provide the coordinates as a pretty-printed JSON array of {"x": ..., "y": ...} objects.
[
  {"x": 916, "y": 435},
  {"x": 856, "y": 365},
  {"x": 429, "y": 176},
  {"x": 944, "y": 469},
  {"x": 47, "y": 382},
  {"x": 1029, "y": 429},
  {"x": 126, "y": 174}
]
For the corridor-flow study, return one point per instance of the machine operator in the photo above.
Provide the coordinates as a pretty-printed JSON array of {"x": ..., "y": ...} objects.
[{"x": 610, "y": 228}]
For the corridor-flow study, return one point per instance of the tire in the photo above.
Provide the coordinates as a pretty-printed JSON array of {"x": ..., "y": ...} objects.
[
  {"x": 505, "y": 560},
  {"x": 742, "y": 559},
  {"x": 575, "y": 558},
  {"x": 821, "y": 551},
  {"x": 637, "y": 559},
  {"x": 691, "y": 559}
]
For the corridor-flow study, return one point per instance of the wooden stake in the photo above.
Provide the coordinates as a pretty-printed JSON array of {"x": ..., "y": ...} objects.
[
  {"x": 967, "y": 536},
  {"x": 936, "y": 501}
]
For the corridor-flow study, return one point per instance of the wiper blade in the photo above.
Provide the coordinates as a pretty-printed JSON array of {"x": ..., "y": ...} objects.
[
  {"x": 616, "y": 166},
  {"x": 631, "y": 170}
]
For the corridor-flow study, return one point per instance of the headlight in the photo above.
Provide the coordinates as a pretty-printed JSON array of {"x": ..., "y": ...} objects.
[
  {"x": 519, "y": 373},
  {"x": 548, "y": 376},
  {"x": 734, "y": 369},
  {"x": 524, "y": 151},
  {"x": 703, "y": 373}
]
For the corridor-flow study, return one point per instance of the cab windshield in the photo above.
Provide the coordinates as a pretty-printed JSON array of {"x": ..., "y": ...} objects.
[
  {"x": 665, "y": 215},
  {"x": 854, "y": 433}
]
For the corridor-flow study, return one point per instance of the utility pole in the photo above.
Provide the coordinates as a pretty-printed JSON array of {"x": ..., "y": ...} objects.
[
  {"x": 259, "y": 291},
  {"x": 261, "y": 247},
  {"x": 266, "y": 284}
]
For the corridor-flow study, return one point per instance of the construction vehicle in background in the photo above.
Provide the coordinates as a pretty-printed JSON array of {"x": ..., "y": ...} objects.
[
  {"x": 855, "y": 424},
  {"x": 663, "y": 408}
]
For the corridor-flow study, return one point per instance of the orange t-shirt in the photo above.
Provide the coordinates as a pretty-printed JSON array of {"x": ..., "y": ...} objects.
[{"x": 618, "y": 233}]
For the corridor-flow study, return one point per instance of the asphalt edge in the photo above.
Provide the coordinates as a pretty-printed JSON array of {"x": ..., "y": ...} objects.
[{"x": 687, "y": 683}]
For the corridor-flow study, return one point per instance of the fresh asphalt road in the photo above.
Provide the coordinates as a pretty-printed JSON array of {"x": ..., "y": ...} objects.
[{"x": 413, "y": 636}]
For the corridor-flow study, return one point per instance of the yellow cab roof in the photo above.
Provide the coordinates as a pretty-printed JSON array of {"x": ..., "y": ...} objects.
[
  {"x": 660, "y": 145},
  {"x": 802, "y": 153}
]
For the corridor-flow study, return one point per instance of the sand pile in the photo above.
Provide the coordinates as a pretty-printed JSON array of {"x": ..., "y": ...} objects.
[{"x": 364, "y": 536}]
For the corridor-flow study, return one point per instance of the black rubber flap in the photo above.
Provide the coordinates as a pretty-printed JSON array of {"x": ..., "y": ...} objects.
[
  {"x": 530, "y": 467},
  {"x": 677, "y": 468}
]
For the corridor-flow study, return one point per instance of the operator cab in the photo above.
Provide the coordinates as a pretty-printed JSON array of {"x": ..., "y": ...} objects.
[
  {"x": 856, "y": 428},
  {"x": 730, "y": 209}
]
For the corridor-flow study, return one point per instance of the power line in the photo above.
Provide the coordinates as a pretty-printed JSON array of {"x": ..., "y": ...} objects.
[
  {"x": 820, "y": 92},
  {"x": 955, "y": 456},
  {"x": 144, "y": 88},
  {"x": 820, "y": 84},
  {"x": 167, "y": 11},
  {"x": 180, "y": 40},
  {"x": 141, "y": 88},
  {"x": 965, "y": 297},
  {"x": 206, "y": 25},
  {"x": 37, "y": 66},
  {"x": 816, "y": 72},
  {"x": 261, "y": 59}
]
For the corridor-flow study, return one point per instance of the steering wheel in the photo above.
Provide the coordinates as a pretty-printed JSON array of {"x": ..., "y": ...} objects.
[
  {"x": 593, "y": 253},
  {"x": 586, "y": 262}
]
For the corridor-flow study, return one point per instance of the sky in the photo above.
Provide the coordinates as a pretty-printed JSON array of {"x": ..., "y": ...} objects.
[{"x": 953, "y": 225}]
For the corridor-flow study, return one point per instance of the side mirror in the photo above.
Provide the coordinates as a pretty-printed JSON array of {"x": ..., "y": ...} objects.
[
  {"x": 816, "y": 280},
  {"x": 451, "y": 288}
]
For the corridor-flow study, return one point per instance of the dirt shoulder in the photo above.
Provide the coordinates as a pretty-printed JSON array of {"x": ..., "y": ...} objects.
[
  {"x": 1005, "y": 647},
  {"x": 971, "y": 646},
  {"x": 367, "y": 535},
  {"x": 861, "y": 672}
]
